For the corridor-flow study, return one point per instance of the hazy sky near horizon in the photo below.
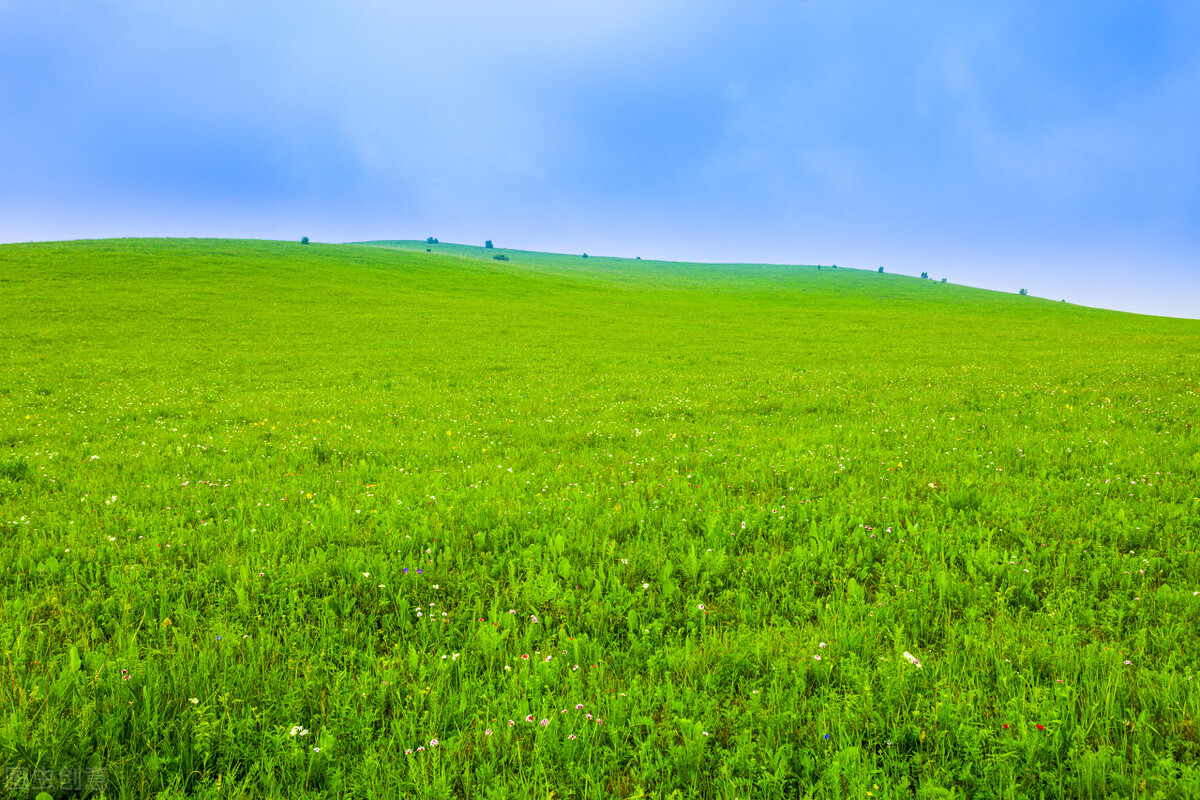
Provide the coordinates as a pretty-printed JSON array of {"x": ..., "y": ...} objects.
[{"x": 1047, "y": 146}]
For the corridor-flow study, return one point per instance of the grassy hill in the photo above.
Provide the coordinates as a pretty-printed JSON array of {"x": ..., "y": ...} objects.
[{"x": 272, "y": 516}]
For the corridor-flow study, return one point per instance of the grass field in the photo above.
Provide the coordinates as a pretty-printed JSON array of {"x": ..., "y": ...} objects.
[{"x": 371, "y": 521}]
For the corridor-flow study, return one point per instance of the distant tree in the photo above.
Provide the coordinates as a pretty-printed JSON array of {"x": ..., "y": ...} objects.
[
  {"x": 430, "y": 240},
  {"x": 818, "y": 266},
  {"x": 881, "y": 270},
  {"x": 303, "y": 240},
  {"x": 925, "y": 275},
  {"x": 488, "y": 244},
  {"x": 1024, "y": 292},
  {"x": 835, "y": 266},
  {"x": 585, "y": 255},
  {"x": 639, "y": 258},
  {"x": 943, "y": 280}
]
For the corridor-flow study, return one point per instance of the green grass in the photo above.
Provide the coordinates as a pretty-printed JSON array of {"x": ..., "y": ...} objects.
[{"x": 247, "y": 486}]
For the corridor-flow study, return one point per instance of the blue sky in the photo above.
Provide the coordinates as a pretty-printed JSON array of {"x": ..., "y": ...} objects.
[{"x": 1047, "y": 146}]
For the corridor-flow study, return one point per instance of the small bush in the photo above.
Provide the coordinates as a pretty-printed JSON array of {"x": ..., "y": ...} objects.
[
  {"x": 500, "y": 257},
  {"x": 943, "y": 280},
  {"x": 925, "y": 275},
  {"x": 303, "y": 240},
  {"x": 1024, "y": 292},
  {"x": 488, "y": 244}
]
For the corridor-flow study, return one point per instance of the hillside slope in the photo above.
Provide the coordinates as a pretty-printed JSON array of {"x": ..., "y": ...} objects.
[{"x": 391, "y": 496}]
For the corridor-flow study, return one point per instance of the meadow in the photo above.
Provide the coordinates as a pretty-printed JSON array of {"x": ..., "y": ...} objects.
[{"x": 371, "y": 521}]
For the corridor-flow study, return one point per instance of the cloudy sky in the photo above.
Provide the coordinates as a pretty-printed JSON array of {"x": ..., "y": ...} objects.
[{"x": 1047, "y": 146}]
